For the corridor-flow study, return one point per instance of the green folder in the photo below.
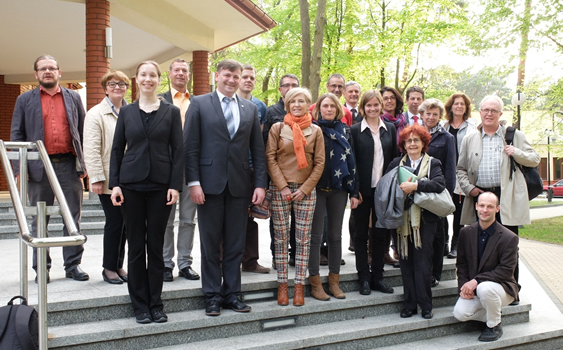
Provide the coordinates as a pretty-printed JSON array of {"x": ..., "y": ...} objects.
[{"x": 404, "y": 175}]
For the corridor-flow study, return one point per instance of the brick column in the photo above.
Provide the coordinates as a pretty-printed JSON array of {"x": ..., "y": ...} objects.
[
  {"x": 97, "y": 20},
  {"x": 133, "y": 89},
  {"x": 8, "y": 95},
  {"x": 200, "y": 72}
]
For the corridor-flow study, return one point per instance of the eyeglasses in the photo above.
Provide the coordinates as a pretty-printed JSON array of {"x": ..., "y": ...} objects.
[
  {"x": 44, "y": 69},
  {"x": 408, "y": 141},
  {"x": 336, "y": 86},
  {"x": 121, "y": 84},
  {"x": 389, "y": 98},
  {"x": 492, "y": 111},
  {"x": 289, "y": 85}
]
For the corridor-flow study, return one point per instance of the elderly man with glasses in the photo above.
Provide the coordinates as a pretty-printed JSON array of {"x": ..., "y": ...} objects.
[{"x": 484, "y": 166}]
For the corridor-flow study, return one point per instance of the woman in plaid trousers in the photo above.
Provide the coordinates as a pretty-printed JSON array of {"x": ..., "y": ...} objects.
[{"x": 296, "y": 155}]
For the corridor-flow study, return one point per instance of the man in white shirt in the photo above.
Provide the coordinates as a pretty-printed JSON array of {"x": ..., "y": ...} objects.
[{"x": 415, "y": 96}]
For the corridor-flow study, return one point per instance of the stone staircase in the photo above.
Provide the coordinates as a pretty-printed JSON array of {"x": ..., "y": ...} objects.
[
  {"x": 95, "y": 315},
  {"x": 92, "y": 221}
]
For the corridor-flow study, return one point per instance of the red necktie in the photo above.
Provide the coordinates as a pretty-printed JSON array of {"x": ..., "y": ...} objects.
[{"x": 415, "y": 119}]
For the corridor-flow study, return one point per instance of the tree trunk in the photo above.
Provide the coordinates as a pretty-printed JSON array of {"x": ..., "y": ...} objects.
[
  {"x": 266, "y": 82},
  {"x": 305, "y": 43},
  {"x": 315, "y": 77},
  {"x": 524, "y": 44}
]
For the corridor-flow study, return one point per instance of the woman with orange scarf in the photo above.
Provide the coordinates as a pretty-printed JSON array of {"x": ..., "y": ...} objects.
[{"x": 296, "y": 156}]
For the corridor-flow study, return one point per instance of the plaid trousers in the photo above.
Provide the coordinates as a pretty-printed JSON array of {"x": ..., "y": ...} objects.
[{"x": 304, "y": 210}]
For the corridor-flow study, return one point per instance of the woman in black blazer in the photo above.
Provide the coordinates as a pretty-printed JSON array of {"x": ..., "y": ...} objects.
[
  {"x": 146, "y": 177},
  {"x": 414, "y": 240},
  {"x": 374, "y": 142}
]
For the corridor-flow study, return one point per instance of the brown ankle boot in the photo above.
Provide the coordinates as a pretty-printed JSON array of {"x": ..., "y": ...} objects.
[
  {"x": 298, "y": 299},
  {"x": 333, "y": 288},
  {"x": 283, "y": 298},
  {"x": 317, "y": 290}
]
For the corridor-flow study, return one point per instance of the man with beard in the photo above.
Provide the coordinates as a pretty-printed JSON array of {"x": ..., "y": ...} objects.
[
  {"x": 54, "y": 115},
  {"x": 178, "y": 95}
]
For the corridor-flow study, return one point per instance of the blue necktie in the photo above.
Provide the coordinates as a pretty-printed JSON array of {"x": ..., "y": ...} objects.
[{"x": 227, "y": 111}]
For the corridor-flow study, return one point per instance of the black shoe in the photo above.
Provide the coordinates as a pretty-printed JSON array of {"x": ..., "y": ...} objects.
[
  {"x": 397, "y": 265},
  {"x": 342, "y": 262},
  {"x": 124, "y": 278},
  {"x": 168, "y": 276},
  {"x": 514, "y": 303},
  {"x": 491, "y": 334},
  {"x": 452, "y": 254},
  {"x": 351, "y": 248},
  {"x": 364, "y": 288},
  {"x": 406, "y": 313},
  {"x": 48, "y": 277},
  {"x": 188, "y": 273},
  {"x": 76, "y": 273},
  {"x": 427, "y": 314},
  {"x": 213, "y": 308},
  {"x": 111, "y": 280},
  {"x": 382, "y": 287},
  {"x": 237, "y": 305},
  {"x": 446, "y": 250},
  {"x": 159, "y": 316},
  {"x": 292, "y": 262},
  {"x": 435, "y": 282},
  {"x": 274, "y": 263},
  {"x": 143, "y": 318}
]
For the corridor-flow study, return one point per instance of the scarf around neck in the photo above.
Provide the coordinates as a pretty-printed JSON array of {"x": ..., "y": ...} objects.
[
  {"x": 297, "y": 124},
  {"x": 399, "y": 120},
  {"x": 342, "y": 166},
  {"x": 411, "y": 227}
]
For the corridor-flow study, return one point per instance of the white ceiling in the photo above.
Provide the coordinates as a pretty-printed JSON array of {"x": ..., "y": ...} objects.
[{"x": 160, "y": 30}]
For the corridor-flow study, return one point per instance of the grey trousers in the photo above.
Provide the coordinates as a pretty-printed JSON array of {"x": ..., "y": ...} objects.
[
  {"x": 185, "y": 242},
  {"x": 72, "y": 188},
  {"x": 334, "y": 203}
]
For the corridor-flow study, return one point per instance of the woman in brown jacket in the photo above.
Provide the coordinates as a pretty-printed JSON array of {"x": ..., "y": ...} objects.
[{"x": 296, "y": 156}]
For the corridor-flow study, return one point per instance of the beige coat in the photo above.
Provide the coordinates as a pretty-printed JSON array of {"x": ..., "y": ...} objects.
[
  {"x": 99, "y": 127},
  {"x": 514, "y": 208}
]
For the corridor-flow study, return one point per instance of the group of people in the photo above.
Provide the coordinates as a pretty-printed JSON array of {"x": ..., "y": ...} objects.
[{"x": 314, "y": 158}]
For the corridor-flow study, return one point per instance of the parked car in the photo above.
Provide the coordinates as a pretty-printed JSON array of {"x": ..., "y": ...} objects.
[{"x": 557, "y": 189}]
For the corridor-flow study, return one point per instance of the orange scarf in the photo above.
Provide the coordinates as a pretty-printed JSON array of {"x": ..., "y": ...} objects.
[{"x": 299, "y": 142}]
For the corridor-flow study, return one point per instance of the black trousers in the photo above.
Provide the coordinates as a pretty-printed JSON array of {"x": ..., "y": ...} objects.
[
  {"x": 361, "y": 238},
  {"x": 145, "y": 214},
  {"x": 222, "y": 222},
  {"x": 416, "y": 270},
  {"x": 438, "y": 247},
  {"x": 457, "y": 226},
  {"x": 114, "y": 235}
]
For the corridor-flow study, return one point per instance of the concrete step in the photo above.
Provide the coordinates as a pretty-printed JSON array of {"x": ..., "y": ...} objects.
[
  {"x": 87, "y": 204},
  {"x": 524, "y": 336},
  {"x": 192, "y": 325},
  {"x": 103, "y": 308},
  {"x": 87, "y": 228},
  {"x": 96, "y": 215},
  {"x": 355, "y": 333}
]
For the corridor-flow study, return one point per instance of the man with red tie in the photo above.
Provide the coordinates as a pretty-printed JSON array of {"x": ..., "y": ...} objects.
[{"x": 415, "y": 96}]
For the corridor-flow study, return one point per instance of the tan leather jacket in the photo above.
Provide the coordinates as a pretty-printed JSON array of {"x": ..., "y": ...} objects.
[{"x": 282, "y": 161}]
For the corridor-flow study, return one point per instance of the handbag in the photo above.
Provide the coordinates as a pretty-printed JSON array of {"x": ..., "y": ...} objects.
[
  {"x": 262, "y": 210},
  {"x": 440, "y": 204},
  {"x": 19, "y": 326},
  {"x": 534, "y": 183}
]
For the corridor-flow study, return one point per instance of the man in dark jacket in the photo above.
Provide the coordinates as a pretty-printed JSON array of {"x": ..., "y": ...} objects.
[{"x": 486, "y": 260}]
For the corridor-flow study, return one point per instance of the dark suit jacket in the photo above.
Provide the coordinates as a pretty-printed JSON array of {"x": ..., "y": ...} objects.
[
  {"x": 156, "y": 155},
  {"x": 442, "y": 147},
  {"x": 167, "y": 96},
  {"x": 212, "y": 158},
  {"x": 362, "y": 144},
  {"x": 497, "y": 263},
  {"x": 27, "y": 125}
]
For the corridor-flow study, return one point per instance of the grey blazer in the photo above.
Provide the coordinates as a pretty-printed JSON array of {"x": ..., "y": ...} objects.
[
  {"x": 27, "y": 125},
  {"x": 212, "y": 158}
]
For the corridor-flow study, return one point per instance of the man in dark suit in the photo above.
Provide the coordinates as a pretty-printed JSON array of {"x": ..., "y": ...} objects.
[
  {"x": 179, "y": 96},
  {"x": 221, "y": 129},
  {"x": 487, "y": 254},
  {"x": 54, "y": 115}
]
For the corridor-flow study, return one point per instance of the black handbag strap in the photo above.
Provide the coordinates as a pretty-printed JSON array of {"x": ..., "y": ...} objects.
[
  {"x": 23, "y": 302},
  {"x": 509, "y": 138}
]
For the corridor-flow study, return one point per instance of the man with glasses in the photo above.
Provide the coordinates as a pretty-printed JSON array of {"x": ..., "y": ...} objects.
[
  {"x": 336, "y": 85},
  {"x": 178, "y": 95},
  {"x": 54, "y": 115},
  {"x": 484, "y": 166}
]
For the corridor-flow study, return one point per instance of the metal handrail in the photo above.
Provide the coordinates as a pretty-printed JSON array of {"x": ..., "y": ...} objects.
[{"x": 41, "y": 211}]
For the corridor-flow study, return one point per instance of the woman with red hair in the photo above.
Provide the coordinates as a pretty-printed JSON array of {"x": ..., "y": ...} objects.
[{"x": 414, "y": 239}]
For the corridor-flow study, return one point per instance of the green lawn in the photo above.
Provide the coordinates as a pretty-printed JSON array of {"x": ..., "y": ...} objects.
[{"x": 544, "y": 230}]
